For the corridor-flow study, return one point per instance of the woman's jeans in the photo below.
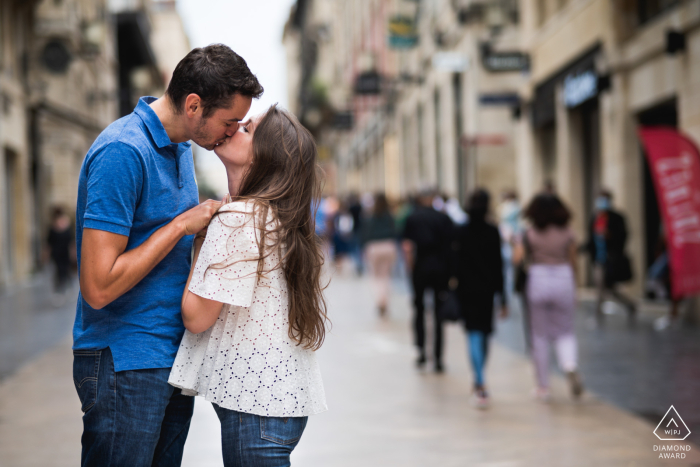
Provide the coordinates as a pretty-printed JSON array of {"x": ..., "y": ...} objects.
[
  {"x": 552, "y": 304},
  {"x": 478, "y": 349},
  {"x": 249, "y": 440}
]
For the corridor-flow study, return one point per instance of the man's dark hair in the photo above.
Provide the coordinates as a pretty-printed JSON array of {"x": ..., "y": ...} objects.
[
  {"x": 215, "y": 73},
  {"x": 546, "y": 210}
]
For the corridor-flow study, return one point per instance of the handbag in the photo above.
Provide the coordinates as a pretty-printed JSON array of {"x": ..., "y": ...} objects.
[
  {"x": 521, "y": 269},
  {"x": 449, "y": 309},
  {"x": 520, "y": 277}
]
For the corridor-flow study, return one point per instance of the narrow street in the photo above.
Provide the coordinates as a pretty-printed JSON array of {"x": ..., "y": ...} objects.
[{"x": 383, "y": 412}]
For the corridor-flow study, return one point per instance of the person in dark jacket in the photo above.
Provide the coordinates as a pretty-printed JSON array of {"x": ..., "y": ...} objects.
[
  {"x": 61, "y": 247},
  {"x": 479, "y": 271},
  {"x": 607, "y": 235},
  {"x": 427, "y": 245},
  {"x": 378, "y": 239}
]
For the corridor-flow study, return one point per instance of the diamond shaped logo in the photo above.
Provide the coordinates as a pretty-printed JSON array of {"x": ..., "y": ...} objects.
[{"x": 672, "y": 427}]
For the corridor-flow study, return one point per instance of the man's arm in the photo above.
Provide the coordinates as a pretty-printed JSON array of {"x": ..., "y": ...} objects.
[{"x": 107, "y": 272}]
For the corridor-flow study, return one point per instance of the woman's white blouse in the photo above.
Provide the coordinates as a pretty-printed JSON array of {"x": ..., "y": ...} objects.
[{"x": 246, "y": 361}]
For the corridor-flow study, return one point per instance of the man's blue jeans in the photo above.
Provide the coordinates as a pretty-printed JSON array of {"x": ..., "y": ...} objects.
[
  {"x": 131, "y": 418},
  {"x": 249, "y": 440}
]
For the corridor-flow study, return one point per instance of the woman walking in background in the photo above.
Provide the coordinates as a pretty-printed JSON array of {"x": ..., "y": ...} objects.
[
  {"x": 478, "y": 268},
  {"x": 549, "y": 247},
  {"x": 379, "y": 241}
]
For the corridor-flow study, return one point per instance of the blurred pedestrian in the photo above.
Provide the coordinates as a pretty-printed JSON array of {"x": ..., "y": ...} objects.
[
  {"x": 479, "y": 271},
  {"x": 379, "y": 242},
  {"x": 61, "y": 247},
  {"x": 658, "y": 283},
  {"x": 510, "y": 226},
  {"x": 342, "y": 234},
  {"x": 427, "y": 248},
  {"x": 455, "y": 211},
  {"x": 550, "y": 248},
  {"x": 356, "y": 210},
  {"x": 607, "y": 235}
]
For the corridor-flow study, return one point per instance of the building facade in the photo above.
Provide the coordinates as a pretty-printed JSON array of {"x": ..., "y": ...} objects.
[
  {"x": 67, "y": 70},
  {"x": 415, "y": 94},
  {"x": 600, "y": 69}
]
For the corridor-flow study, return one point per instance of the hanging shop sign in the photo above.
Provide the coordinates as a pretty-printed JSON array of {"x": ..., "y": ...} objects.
[
  {"x": 503, "y": 99},
  {"x": 675, "y": 166},
  {"x": 453, "y": 62},
  {"x": 497, "y": 62},
  {"x": 403, "y": 33},
  {"x": 580, "y": 87},
  {"x": 343, "y": 120},
  {"x": 368, "y": 83}
]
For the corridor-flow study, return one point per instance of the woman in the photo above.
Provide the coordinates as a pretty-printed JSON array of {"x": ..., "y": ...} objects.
[
  {"x": 549, "y": 247},
  {"x": 479, "y": 271},
  {"x": 253, "y": 306},
  {"x": 379, "y": 242}
]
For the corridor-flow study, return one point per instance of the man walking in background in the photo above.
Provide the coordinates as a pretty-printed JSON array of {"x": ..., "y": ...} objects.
[
  {"x": 136, "y": 215},
  {"x": 607, "y": 235},
  {"x": 427, "y": 245}
]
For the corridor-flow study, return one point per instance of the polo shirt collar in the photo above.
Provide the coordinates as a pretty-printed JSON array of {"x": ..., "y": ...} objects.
[{"x": 153, "y": 123}]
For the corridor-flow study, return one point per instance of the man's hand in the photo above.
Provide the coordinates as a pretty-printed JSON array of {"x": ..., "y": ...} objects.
[
  {"x": 198, "y": 218},
  {"x": 504, "y": 312},
  {"x": 108, "y": 271}
]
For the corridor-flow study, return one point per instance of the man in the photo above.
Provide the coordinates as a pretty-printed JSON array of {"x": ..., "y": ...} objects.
[
  {"x": 136, "y": 216},
  {"x": 427, "y": 244},
  {"x": 607, "y": 235}
]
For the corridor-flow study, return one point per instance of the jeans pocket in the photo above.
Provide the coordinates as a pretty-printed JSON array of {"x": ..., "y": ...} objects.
[
  {"x": 282, "y": 430},
  {"x": 86, "y": 367}
]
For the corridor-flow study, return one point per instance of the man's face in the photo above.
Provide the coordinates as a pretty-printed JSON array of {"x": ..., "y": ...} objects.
[{"x": 222, "y": 123}]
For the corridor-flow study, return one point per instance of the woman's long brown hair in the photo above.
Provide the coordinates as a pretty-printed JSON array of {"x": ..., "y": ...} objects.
[{"x": 284, "y": 181}]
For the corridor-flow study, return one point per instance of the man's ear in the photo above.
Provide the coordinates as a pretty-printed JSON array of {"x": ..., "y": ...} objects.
[{"x": 193, "y": 105}]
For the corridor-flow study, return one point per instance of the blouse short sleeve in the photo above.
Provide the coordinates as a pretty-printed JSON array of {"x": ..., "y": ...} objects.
[{"x": 227, "y": 266}]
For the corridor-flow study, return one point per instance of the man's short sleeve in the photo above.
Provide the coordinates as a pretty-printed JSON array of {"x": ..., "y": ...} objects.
[
  {"x": 227, "y": 266},
  {"x": 114, "y": 183}
]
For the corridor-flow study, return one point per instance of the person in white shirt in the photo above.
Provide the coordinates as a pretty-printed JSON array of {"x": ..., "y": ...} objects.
[{"x": 253, "y": 305}]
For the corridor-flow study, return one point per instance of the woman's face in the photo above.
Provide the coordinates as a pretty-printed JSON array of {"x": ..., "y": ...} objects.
[{"x": 237, "y": 150}]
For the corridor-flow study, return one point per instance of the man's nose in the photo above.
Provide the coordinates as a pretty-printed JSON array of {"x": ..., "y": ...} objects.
[{"x": 230, "y": 131}]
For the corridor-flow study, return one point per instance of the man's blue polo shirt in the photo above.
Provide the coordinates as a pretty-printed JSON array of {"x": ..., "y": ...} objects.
[{"x": 133, "y": 181}]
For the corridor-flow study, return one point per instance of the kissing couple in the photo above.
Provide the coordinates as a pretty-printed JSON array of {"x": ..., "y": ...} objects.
[{"x": 220, "y": 299}]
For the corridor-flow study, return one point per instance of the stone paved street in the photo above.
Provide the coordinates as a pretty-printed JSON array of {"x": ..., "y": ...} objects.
[{"x": 382, "y": 411}]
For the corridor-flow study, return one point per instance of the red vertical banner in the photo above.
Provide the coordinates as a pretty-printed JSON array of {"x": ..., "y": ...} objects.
[{"x": 675, "y": 166}]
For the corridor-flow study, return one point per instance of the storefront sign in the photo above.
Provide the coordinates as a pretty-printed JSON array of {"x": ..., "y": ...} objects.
[
  {"x": 675, "y": 167},
  {"x": 454, "y": 62},
  {"x": 580, "y": 87},
  {"x": 403, "y": 33},
  {"x": 505, "y": 99},
  {"x": 368, "y": 83},
  {"x": 343, "y": 120},
  {"x": 505, "y": 61}
]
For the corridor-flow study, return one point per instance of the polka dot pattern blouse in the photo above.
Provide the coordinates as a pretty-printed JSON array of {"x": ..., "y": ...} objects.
[{"x": 246, "y": 361}]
